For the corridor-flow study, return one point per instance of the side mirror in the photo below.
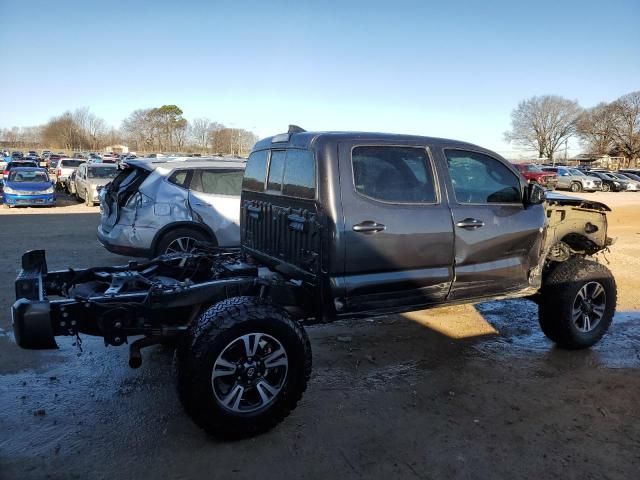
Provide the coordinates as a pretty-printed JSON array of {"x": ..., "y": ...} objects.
[{"x": 535, "y": 194}]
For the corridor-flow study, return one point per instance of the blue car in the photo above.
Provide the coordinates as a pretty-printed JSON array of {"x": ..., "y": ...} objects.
[{"x": 28, "y": 186}]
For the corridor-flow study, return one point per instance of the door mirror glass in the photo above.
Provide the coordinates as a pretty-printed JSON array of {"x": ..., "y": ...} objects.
[{"x": 535, "y": 194}]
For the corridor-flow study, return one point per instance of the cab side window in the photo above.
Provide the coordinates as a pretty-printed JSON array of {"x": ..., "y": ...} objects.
[
  {"x": 479, "y": 178},
  {"x": 393, "y": 174}
]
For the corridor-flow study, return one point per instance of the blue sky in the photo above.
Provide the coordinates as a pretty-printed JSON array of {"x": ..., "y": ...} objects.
[{"x": 454, "y": 69}]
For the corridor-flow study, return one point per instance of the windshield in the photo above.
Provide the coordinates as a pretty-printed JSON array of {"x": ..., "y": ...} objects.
[
  {"x": 533, "y": 168},
  {"x": 575, "y": 172},
  {"x": 102, "y": 172},
  {"x": 28, "y": 176}
]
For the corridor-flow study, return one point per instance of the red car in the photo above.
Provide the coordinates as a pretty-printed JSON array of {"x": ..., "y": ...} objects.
[{"x": 534, "y": 174}]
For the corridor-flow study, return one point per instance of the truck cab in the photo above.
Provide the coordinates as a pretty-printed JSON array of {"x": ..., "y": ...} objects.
[{"x": 389, "y": 222}]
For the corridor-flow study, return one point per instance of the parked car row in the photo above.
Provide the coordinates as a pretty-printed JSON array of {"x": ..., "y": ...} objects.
[{"x": 580, "y": 179}]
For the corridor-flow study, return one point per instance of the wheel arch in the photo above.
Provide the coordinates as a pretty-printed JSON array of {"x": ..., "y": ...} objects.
[{"x": 201, "y": 227}]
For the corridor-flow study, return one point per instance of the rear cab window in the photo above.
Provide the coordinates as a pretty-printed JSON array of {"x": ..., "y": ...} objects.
[{"x": 290, "y": 172}]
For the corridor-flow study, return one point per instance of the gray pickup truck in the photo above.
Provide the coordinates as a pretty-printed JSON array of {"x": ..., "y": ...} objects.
[{"x": 333, "y": 225}]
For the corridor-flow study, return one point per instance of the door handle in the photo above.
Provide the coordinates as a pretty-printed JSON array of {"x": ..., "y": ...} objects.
[
  {"x": 368, "y": 227},
  {"x": 470, "y": 223}
]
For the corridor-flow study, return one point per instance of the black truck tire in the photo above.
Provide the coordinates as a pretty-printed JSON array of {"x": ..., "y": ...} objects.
[
  {"x": 577, "y": 303},
  {"x": 263, "y": 388}
]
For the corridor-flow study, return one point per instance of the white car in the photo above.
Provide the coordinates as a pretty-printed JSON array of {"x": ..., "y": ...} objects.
[
  {"x": 166, "y": 205},
  {"x": 64, "y": 168}
]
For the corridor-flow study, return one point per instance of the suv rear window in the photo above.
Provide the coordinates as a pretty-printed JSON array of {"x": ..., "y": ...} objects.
[
  {"x": 217, "y": 181},
  {"x": 180, "y": 178},
  {"x": 292, "y": 173}
]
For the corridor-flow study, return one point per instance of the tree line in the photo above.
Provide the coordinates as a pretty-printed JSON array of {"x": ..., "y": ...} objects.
[
  {"x": 159, "y": 129},
  {"x": 546, "y": 123}
]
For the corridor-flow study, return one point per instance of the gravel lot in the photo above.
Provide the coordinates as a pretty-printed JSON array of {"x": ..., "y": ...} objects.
[{"x": 458, "y": 392}]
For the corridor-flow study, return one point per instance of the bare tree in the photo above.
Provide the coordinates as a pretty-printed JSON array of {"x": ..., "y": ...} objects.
[
  {"x": 627, "y": 126},
  {"x": 543, "y": 123},
  {"x": 140, "y": 130},
  {"x": 199, "y": 133},
  {"x": 596, "y": 128},
  {"x": 217, "y": 139}
]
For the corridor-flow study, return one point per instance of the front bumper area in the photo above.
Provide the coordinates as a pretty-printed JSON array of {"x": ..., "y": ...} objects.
[{"x": 47, "y": 199}]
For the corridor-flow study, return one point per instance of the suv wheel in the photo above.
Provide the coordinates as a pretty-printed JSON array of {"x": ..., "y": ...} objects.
[
  {"x": 578, "y": 300},
  {"x": 180, "y": 240},
  {"x": 576, "y": 187},
  {"x": 243, "y": 367}
]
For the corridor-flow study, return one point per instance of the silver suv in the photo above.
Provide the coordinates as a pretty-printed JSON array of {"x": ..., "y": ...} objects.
[
  {"x": 575, "y": 180},
  {"x": 162, "y": 206}
]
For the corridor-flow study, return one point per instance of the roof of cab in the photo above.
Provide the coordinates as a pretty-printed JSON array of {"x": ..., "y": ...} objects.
[{"x": 308, "y": 139}]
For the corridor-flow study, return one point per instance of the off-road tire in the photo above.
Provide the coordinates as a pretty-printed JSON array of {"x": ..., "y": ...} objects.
[
  {"x": 576, "y": 187},
  {"x": 169, "y": 237},
  {"x": 557, "y": 298},
  {"x": 209, "y": 335}
]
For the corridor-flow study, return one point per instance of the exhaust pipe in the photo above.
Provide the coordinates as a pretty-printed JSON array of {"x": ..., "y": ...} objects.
[{"x": 135, "y": 355}]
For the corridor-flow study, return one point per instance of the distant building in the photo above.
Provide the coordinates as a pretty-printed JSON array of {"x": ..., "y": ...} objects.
[
  {"x": 117, "y": 149},
  {"x": 601, "y": 161}
]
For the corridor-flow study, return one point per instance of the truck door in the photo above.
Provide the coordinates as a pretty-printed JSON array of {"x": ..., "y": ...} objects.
[
  {"x": 497, "y": 239},
  {"x": 214, "y": 198},
  {"x": 398, "y": 234}
]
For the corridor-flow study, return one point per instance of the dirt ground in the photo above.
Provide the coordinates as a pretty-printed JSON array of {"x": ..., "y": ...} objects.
[{"x": 458, "y": 392}]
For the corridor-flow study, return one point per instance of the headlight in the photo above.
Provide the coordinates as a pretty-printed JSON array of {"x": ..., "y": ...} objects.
[
  {"x": 49, "y": 190},
  {"x": 617, "y": 184},
  {"x": 8, "y": 190}
]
